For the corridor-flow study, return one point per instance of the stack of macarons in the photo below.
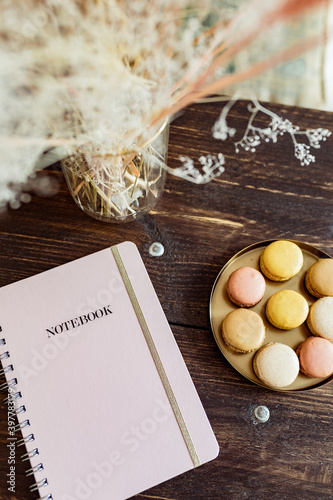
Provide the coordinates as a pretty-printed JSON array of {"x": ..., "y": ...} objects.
[{"x": 275, "y": 364}]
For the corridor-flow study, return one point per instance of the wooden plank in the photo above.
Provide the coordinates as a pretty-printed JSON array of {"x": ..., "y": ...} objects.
[{"x": 263, "y": 195}]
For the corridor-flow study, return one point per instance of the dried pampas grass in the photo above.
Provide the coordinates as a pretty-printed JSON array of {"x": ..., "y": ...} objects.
[{"x": 93, "y": 76}]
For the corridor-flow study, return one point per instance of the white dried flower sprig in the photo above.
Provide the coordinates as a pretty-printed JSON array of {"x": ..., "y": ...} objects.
[
  {"x": 221, "y": 129},
  {"x": 212, "y": 166},
  {"x": 255, "y": 135},
  {"x": 314, "y": 136}
]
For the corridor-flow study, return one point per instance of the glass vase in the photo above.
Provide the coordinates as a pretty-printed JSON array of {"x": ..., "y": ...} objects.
[{"x": 119, "y": 187}]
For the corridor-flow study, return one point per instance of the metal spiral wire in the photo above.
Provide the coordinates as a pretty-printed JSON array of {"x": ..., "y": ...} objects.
[{"x": 22, "y": 425}]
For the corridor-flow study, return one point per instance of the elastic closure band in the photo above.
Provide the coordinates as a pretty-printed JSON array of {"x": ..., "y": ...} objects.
[{"x": 156, "y": 358}]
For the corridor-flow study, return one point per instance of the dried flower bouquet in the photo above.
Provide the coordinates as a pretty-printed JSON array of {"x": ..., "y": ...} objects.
[{"x": 90, "y": 82}]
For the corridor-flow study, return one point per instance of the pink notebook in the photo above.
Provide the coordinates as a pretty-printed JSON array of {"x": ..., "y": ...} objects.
[{"x": 104, "y": 400}]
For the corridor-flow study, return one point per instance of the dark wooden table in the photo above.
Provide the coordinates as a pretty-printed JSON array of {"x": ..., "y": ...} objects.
[{"x": 262, "y": 195}]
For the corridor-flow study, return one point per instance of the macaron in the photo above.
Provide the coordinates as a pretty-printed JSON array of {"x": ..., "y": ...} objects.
[
  {"x": 281, "y": 260},
  {"x": 316, "y": 357},
  {"x": 276, "y": 365},
  {"x": 320, "y": 318},
  {"x": 286, "y": 309},
  {"x": 319, "y": 278},
  {"x": 246, "y": 287},
  {"x": 243, "y": 330}
]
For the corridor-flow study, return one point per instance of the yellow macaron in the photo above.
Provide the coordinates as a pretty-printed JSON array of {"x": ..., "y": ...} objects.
[
  {"x": 281, "y": 260},
  {"x": 286, "y": 309}
]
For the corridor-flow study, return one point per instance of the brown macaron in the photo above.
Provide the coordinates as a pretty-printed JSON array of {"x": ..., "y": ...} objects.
[
  {"x": 243, "y": 330},
  {"x": 315, "y": 356},
  {"x": 319, "y": 278}
]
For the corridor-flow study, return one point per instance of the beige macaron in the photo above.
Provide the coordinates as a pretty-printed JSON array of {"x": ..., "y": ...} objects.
[
  {"x": 276, "y": 365},
  {"x": 320, "y": 318}
]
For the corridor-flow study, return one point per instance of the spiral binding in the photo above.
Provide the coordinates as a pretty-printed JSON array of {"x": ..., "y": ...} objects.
[
  {"x": 7, "y": 369},
  {"x": 22, "y": 425},
  {"x": 37, "y": 468},
  {"x": 21, "y": 409},
  {"x": 25, "y": 440},
  {"x": 8, "y": 384}
]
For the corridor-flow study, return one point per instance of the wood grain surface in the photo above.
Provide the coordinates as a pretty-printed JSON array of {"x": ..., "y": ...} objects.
[{"x": 261, "y": 195}]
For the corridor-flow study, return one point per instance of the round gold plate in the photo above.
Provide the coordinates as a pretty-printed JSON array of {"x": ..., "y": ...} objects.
[{"x": 220, "y": 305}]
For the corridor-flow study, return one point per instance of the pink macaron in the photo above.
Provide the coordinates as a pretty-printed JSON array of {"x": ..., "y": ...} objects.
[
  {"x": 246, "y": 287},
  {"x": 315, "y": 357}
]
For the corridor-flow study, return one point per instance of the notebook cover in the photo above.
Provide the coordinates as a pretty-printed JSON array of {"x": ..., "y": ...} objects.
[{"x": 109, "y": 400}]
